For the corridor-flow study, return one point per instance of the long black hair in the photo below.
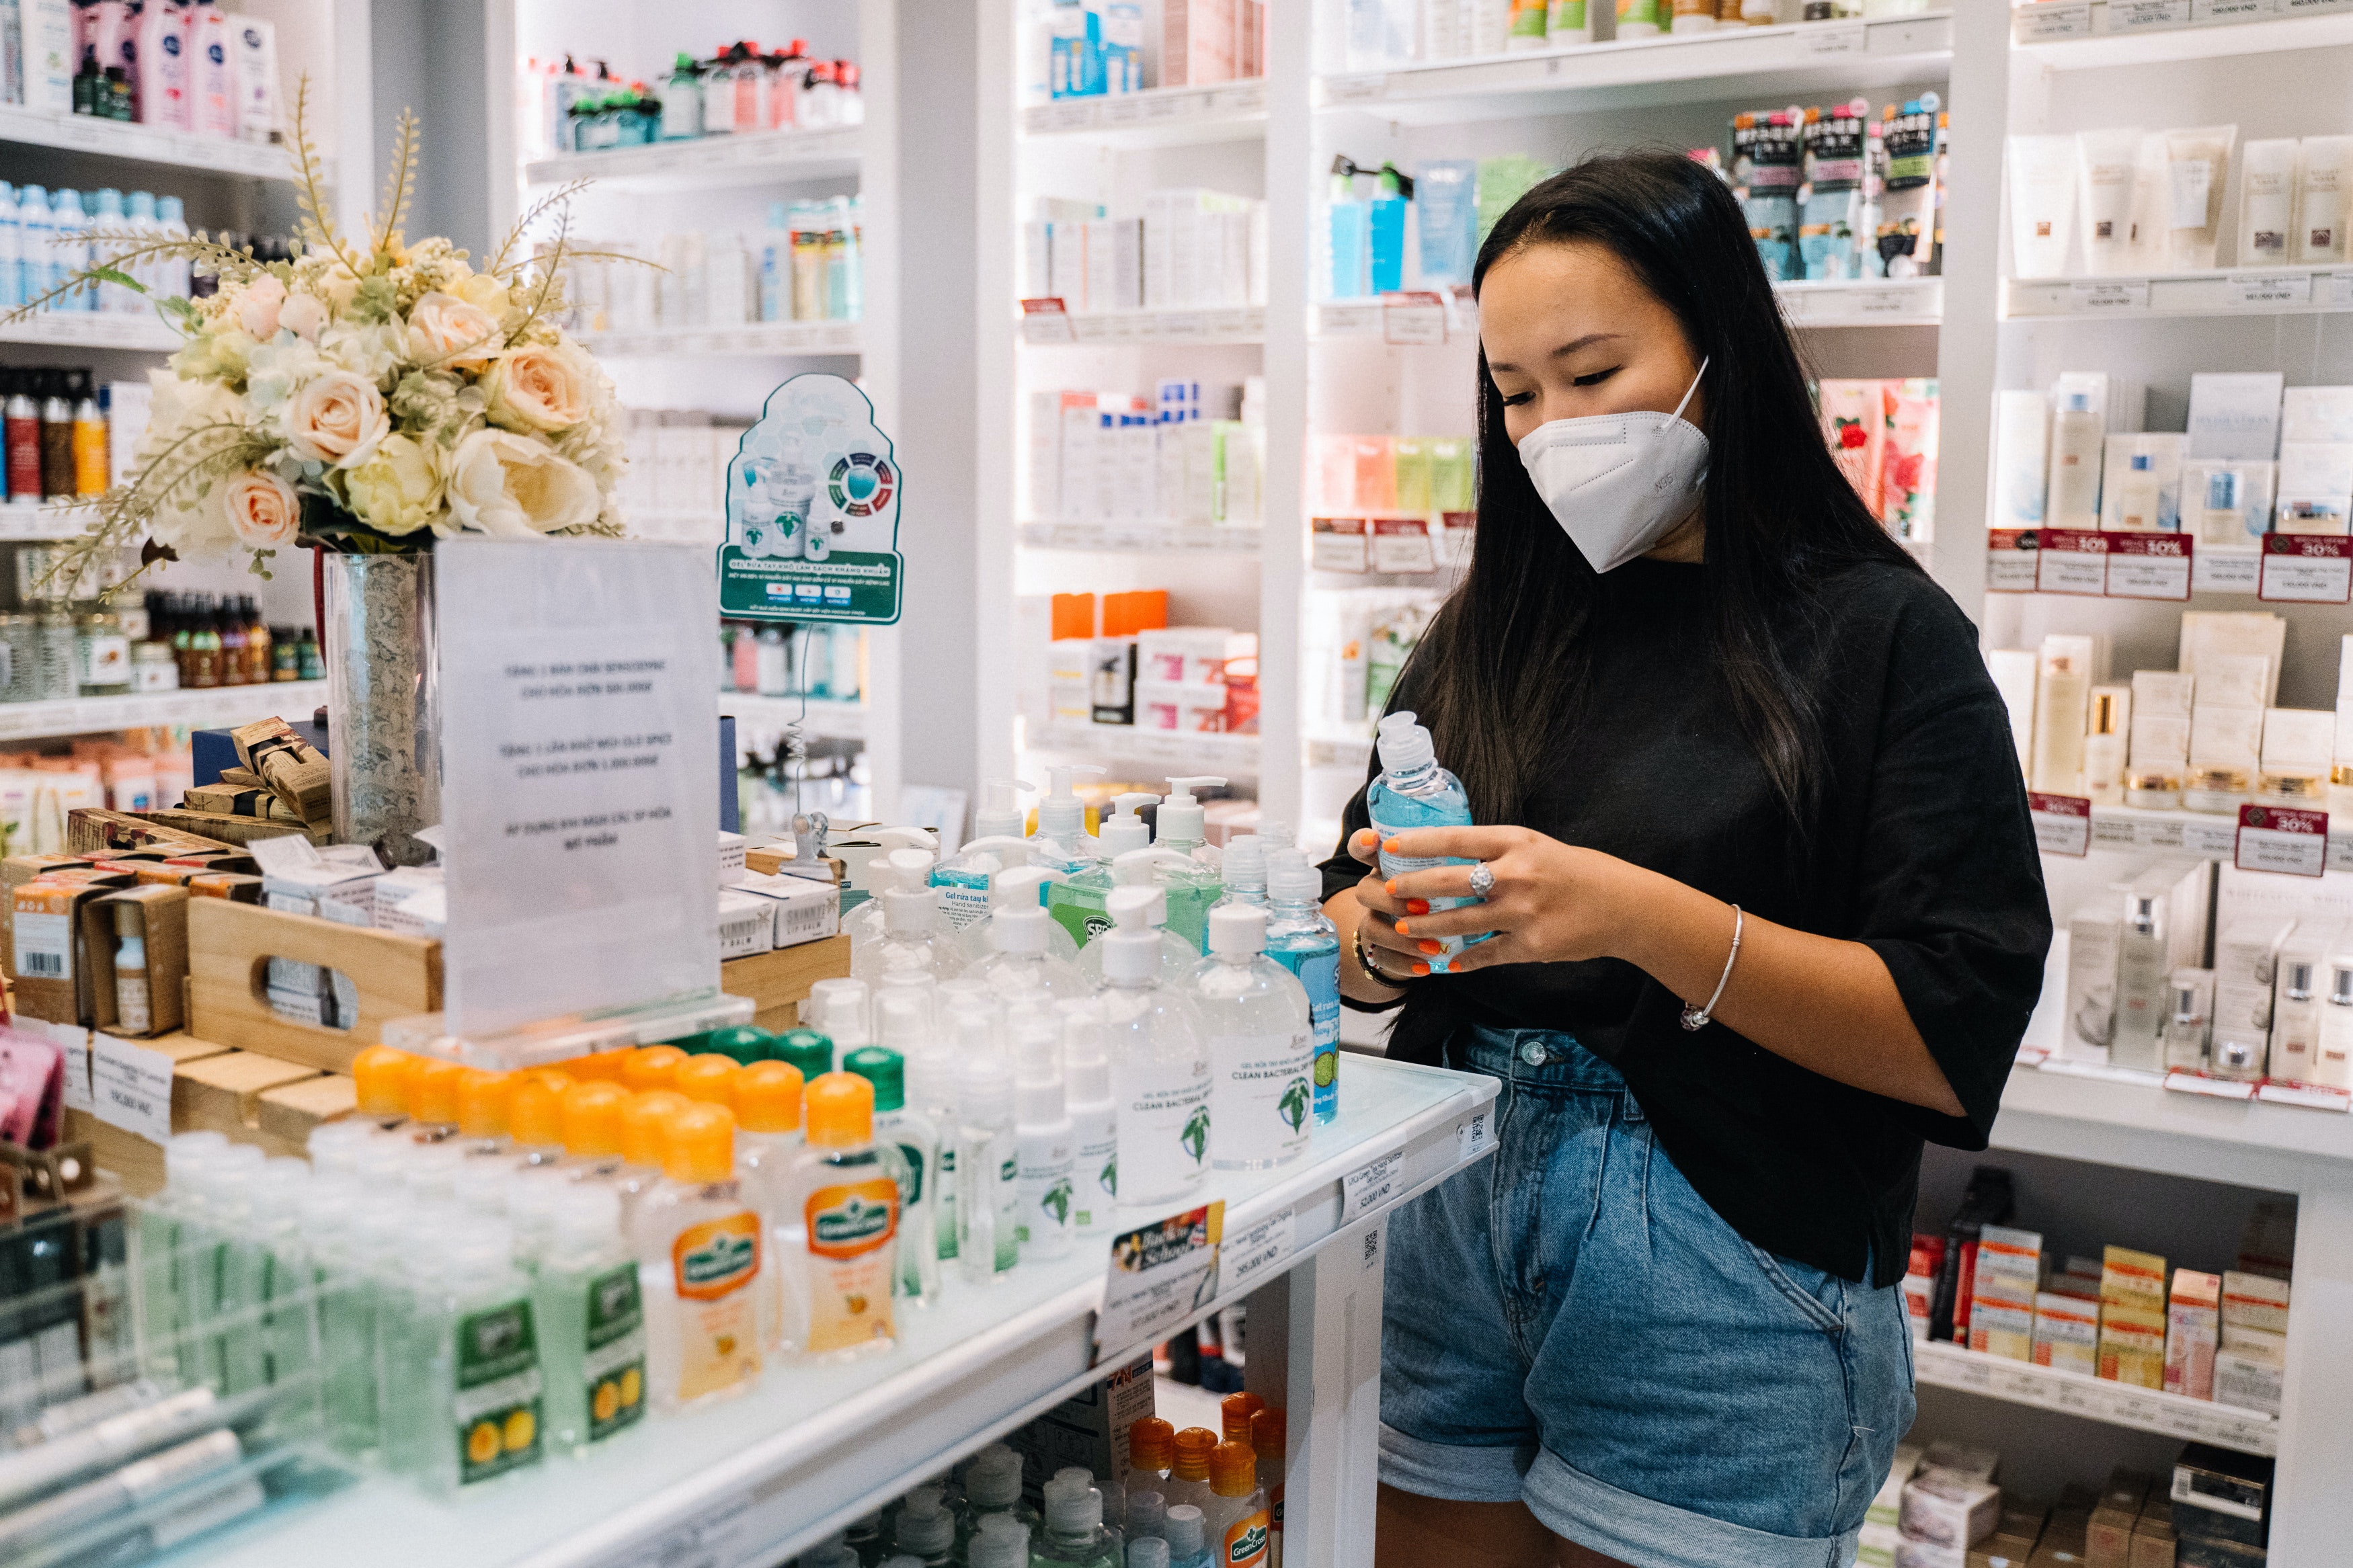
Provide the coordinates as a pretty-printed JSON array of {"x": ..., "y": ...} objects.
[{"x": 1510, "y": 644}]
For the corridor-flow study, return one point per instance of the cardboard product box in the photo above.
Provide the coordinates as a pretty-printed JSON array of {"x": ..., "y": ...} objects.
[
  {"x": 2001, "y": 1551},
  {"x": 747, "y": 924},
  {"x": 2153, "y": 1541},
  {"x": 1949, "y": 1508},
  {"x": 1887, "y": 1507},
  {"x": 2209, "y": 1552},
  {"x": 2219, "y": 1495},
  {"x": 53, "y": 978},
  {"x": 241, "y": 887},
  {"x": 15, "y": 872},
  {"x": 2067, "y": 1332},
  {"x": 804, "y": 910},
  {"x": 2250, "y": 1370},
  {"x": 1960, "y": 1459},
  {"x": 160, "y": 915},
  {"x": 293, "y": 769},
  {"x": 2132, "y": 1345},
  {"x": 2254, "y": 1302},
  {"x": 91, "y": 831},
  {"x": 2193, "y": 1329}
]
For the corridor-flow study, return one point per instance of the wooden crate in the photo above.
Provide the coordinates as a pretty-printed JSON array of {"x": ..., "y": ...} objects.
[
  {"x": 776, "y": 981},
  {"x": 230, "y": 945},
  {"x": 223, "y": 1093}
]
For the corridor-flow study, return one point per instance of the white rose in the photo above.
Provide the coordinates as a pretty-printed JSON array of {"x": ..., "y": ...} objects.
[
  {"x": 262, "y": 509},
  {"x": 335, "y": 417},
  {"x": 258, "y": 306},
  {"x": 444, "y": 329},
  {"x": 540, "y": 389},
  {"x": 303, "y": 315},
  {"x": 182, "y": 521},
  {"x": 512, "y": 485},
  {"x": 368, "y": 350},
  {"x": 274, "y": 370},
  {"x": 396, "y": 490}
]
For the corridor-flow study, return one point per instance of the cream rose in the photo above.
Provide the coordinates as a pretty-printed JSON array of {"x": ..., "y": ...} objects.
[
  {"x": 335, "y": 417},
  {"x": 537, "y": 389},
  {"x": 484, "y": 290},
  {"x": 262, "y": 509},
  {"x": 514, "y": 485},
  {"x": 257, "y": 307},
  {"x": 303, "y": 315},
  {"x": 397, "y": 490},
  {"x": 444, "y": 329}
]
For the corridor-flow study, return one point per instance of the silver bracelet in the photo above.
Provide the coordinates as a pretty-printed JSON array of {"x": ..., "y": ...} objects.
[{"x": 1696, "y": 1018}]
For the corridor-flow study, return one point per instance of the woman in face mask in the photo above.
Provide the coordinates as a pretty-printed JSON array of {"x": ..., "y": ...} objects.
[{"x": 1767, "y": 913}]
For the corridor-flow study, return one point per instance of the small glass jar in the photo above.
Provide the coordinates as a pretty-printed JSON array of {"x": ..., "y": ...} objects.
[
  {"x": 152, "y": 668},
  {"x": 56, "y": 681},
  {"x": 2154, "y": 789},
  {"x": 131, "y": 608},
  {"x": 102, "y": 654},
  {"x": 20, "y": 634},
  {"x": 2218, "y": 792},
  {"x": 2307, "y": 788}
]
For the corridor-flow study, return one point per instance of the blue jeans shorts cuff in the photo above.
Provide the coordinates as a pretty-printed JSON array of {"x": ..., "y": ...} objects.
[
  {"x": 1649, "y": 1534},
  {"x": 1454, "y": 1474}
]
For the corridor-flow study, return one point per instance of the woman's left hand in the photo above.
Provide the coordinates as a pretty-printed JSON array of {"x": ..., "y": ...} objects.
[{"x": 1551, "y": 903}]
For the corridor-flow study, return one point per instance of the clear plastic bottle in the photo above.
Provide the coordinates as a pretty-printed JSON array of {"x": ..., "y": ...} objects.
[
  {"x": 1075, "y": 1533},
  {"x": 1244, "y": 869},
  {"x": 963, "y": 877},
  {"x": 900, "y": 869},
  {"x": 846, "y": 1198},
  {"x": 1062, "y": 842},
  {"x": 1239, "y": 1531},
  {"x": 913, "y": 939},
  {"x": 1411, "y": 791},
  {"x": 1147, "y": 1514},
  {"x": 464, "y": 1403},
  {"x": 1188, "y": 1536},
  {"x": 332, "y": 1213},
  {"x": 918, "y": 1170},
  {"x": 924, "y": 1528},
  {"x": 1094, "y": 1117},
  {"x": 645, "y": 1128},
  {"x": 1077, "y": 902},
  {"x": 1000, "y": 1542},
  {"x": 1262, "y": 1045},
  {"x": 1188, "y": 1471},
  {"x": 1303, "y": 939},
  {"x": 1046, "y": 1140},
  {"x": 1269, "y": 1442},
  {"x": 992, "y": 1490},
  {"x": 1148, "y": 1551},
  {"x": 768, "y": 1139},
  {"x": 1183, "y": 826},
  {"x": 845, "y": 1013},
  {"x": 989, "y": 1168},
  {"x": 1022, "y": 939},
  {"x": 698, "y": 1240},
  {"x": 1143, "y": 868},
  {"x": 590, "y": 1314},
  {"x": 1151, "y": 1454},
  {"x": 1160, "y": 1062}
]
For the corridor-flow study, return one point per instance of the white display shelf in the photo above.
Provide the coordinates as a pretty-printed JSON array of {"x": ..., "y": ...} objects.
[
  {"x": 815, "y": 716},
  {"x": 709, "y": 162},
  {"x": 198, "y": 709},
  {"x": 2208, "y": 833},
  {"x": 1339, "y": 750},
  {"x": 2097, "y": 1399},
  {"x": 1163, "y": 117},
  {"x": 89, "y": 330},
  {"x": 2087, "y": 36},
  {"x": 809, "y": 1449},
  {"x": 1691, "y": 67},
  {"x": 146, "y": 144},
  {"x": 1863, "y": 302},
  {"x": 2237, "y": 291},
  {"x": 2118, "y": 1117},
  {"x": 1141, "y": 537},
  {"x": 30, "y": 520},
  {"x": 1237, "y": 754},
  {"x": 1209, "y": 324},
  {"x": 780, "y": 338}
]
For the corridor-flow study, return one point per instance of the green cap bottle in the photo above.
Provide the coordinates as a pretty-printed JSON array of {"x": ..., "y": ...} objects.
[
  {"x": 884, "y": 1070},
  {"x": 806, "y": 1049},
  {"x": 743, "y": 1045}
]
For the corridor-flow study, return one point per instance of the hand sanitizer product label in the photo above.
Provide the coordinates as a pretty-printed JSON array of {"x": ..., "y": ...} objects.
[
  {"x": 1245, "y": 1541},
  {"x": 712, "y": 1265},
  {"x": 496, "y": 1408},
  {"x": 1319, "y": 974},
  {"x": 1098, "y": 1174},
  {"x": 615, "y": 1369},
  {"x": 1164, "y": 1136},
  {"x": 1261, "y": 1100},
  {"x": 851, "y": 1229}
]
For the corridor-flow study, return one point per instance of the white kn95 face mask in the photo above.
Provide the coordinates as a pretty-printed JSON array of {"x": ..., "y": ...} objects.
[{"x": 1619, "y": 483}]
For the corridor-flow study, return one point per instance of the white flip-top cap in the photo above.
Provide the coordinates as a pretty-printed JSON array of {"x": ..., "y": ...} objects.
[
  {"x": 1403, "y": 743},
  {"x": 1073, "y": 1507},
  {"x": 1000, "y": 813},
  {"x": 904, "y": 1022},
  {"x": 1275, "y": 836},
  {"x": 1290, "y": 879},
  {"x": 910, "y": 912},
  {"x": 1237, "y": 930},
  {"x": 1245, "y": 862},
  {"x": 1131, "y": 948},
  {"x": 1001, "y": 1540},
  {"x": 1086, "y": 1068},
  {"x": 985, "y": 1090},
  {"x": 837, "y": 1009},
  {"x": 1061, "y": 815},
  {"x": 1181, "y": 819},
  {"x": 1125, "y": 830}
]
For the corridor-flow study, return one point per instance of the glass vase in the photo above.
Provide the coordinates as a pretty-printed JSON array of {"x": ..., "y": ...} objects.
[{"x": 382, "y": 708}]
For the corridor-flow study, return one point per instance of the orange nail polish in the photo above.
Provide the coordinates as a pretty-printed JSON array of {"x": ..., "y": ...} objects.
[
  {"x": 1432, "y": 948},
  {"x": 1402, "y": 931},
  {"x": 1389, "y": 887},
  {"x": 1391, "y": 845},
  {"x": 1417, "y": 906},
  {"x": 1420, "y": 968}
]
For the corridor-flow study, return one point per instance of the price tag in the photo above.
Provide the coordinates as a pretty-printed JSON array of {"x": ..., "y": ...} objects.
[
  {"x": 1257, "y": 1252},
  {"x": 2282, "y": 839},
  {"x": 2070, "y": 560},
  {"x": 2267, "y": 291},
  {"x": 1122, "y": 111},
  {"x": 1166, "y": 108},
  {"x": 1370, "y": 1185},
  {"x": 2183, "y": 1082},
  {"x": 2307, "y": 568},
  {"x": 1355, "y": 88},
  {"x": 1850, "y": 39},
  {"x": 2311, "y": 1096},
  {"x": 2340, "y": 290},
  {"x": 2063, "y": 823},
  {"x": 1248, "y": 100},
  {"x": 1046, "y": 321},
  {"x": 1339, "y": 544},
  {"x": 2149, "y": 565},
  {"x": 1160, "y": 1275},
  {"x": 2051, "y": 19},
  {"x": 1074, "y": 116},
  {"x": 2225, "y": 572},
  {"x": 1403, "y": 544},
  {"x": 2011, "y": 557},
  {"x": 2231, "y": 10},
  {"x": 2212, "y": 837},
  {"x": 131, "y": 1088},
  {"x": 2146, "y": 15},
  {"x": 1474, "y": 1135},
  {"x": 2095, "y": 299},
  {"x": 1413, "y": 320}
]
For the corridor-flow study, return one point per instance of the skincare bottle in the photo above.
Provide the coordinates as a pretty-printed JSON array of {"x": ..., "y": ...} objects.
[
  {"x": 1160, "y": 1062},
  {"x": 2321, "y": 182},
  {"x": 2143, "y": 991},
  {"x": 2299, "y": 986},
  {"x": 2042, "y": 204},
  {"x": 2332, "y": 1057},
  {"x": 916, "y": 1139},
  {"x": 2106, "y": 164},
  {"x": 2197, "y": 164},
  {"x": 467, "y": 1404},
  {"x": 591, "y": 1322},
  {"x": 1235, "y": 1514},
  {"x": 1094, "y": 1117},
  {"x": 2189, "y": 1021},
  {"x": 1074, "y": 1533},
  {"x": 2266, "y": 202},
  {"x": 1303, "y": 939},
  {"x": 700, "y": 1254},
  {"x": 2062, "y": 699},
  {"x": 988, "y": 1169},
  {"x": 2079, "y": 430},
  {"x": 133, "y": 1013},
  {"x": 1268, "y": 1441},
  {"x": 2104, "y": 744},
  {"x": 1188, "y": 1473},
  {"x": 1412, "y": 792},
  {"x": 1261, "y": 1045},
  {"x": 1348, "y": 239},
  {"x": 1045, "y": 1141},
  {"x": 1385, "y": 229},
  {"x": 1022, "y": 938},
  {"x": 845, "y": 1200},
  {"x": 1187, "y": 1536}
]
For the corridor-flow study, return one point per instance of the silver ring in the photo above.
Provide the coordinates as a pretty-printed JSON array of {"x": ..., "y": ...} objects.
[{"x": 1483, "y": 880}]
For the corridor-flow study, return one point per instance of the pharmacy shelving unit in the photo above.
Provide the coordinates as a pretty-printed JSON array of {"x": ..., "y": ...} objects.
[
  {"x": 748, "y": 1482},
  {"x": 2077, "y": 67},
  {"x": 726, "y": 183},
  {"x": 812, "y": 716},
  {"x": 209, "y": 707}
]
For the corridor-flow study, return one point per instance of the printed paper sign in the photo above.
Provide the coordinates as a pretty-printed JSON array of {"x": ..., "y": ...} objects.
[
  {"x": 2106, "y": 298},
  {"x": 1161, "y": 1274},
  {"x": 2149, "y": 565},
  {"x": 2226, "y": 571},
  {"x": 2307, "y": 568},
  {"x": 2137, "y": 16},
  {"x": 1370, "y": 1185},
  {"x": 1403, "y": 544},
  {"x": 2063, "y": 823},
  {"x": 1046, "y": 322},
  {"x": 813, "y": 496},
  {"x": 2282, "y": 839},
  {"x": 2011, "y": 554},
  {"x": 2051, "y": 19},
  {"x": 1339, "y": 544},
  {"x": 1413, "y": 320},
  {"x": 131, "y": 1088},
  {"x": 2268, "y": 290},
  {"x": 2070, "y": 560},
  {"x": 1257, "y": 1252},
  {"x": 580, "y": 755}
]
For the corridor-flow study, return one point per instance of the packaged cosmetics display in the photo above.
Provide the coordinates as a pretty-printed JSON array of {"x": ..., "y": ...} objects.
[
  {"x": 739, "y": 89},
  {"x": 1169, "y": 250},
  {"x": 1118, "y": 661},
  {"x": 67, "y": 438},
  {"x": 808, "y": 265},
  {"x": 1090, "y": 49},
  {"x": 1832, "y": 195},
  {"x": 187, "y": 65},
  {"x": 1386, "y": 34},
  {"x": 823, "y": 663},
  {"x": 1190, "y": 454},
  {"x": 1940, "y": 1505},
  {"x": 1883, "y": 434},
  {"x": 36, "y": 256},
  {"x": 1385, "y": 229},
  {"x": 2152, "y": 202},
  {"x": 1356, "y": 644}
]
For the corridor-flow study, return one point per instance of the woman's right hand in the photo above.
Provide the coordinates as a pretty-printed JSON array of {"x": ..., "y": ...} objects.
[{"x": 1398, "y": 956}]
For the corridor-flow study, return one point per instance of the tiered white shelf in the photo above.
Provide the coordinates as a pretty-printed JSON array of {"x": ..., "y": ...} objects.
[
  {"x": 772, "y": 338},
  {"x": 89, "y": 330},
  {"x": 2097, "y": 1399},
  {"x": 1139, "y": 537},
  {"x": 709, "y": 162},
  {"x": 1162, "y": 117},
  {"x": 2238, "y": 291},
  {"x": 1207, "y": 324},
  {"x": 2090, "y": 34},
  {"x": 27, "y": 521},
  {"x": 146, "y": 144},
  {"x": 198, "y": 709},
  {"x": 1238, "y": 754}
]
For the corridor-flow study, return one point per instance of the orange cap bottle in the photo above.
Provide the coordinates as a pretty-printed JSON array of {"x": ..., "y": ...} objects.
[
  {"x": 1234, "y": 1469},
  {"x": 1194, "y": 1445},
  {"x": 646, "y": 1124},
  {"x": 769, "y": 1098},
  {"x": 535, "y": 1114},
  {"x": 701, "y": 1145},
  {"x": 1151, "y": 1444},
  {"x": 1236, "y": 1410},
  {"x": 380, "y": 1074},
  {"x": 602, "y": 1067},
  {"x": 709, "y": 1078},
  {"x": 651, "y": 1066},
  {"x": 1267, "y": 1435},
  {"x": 433, "y": 1092},
  {"x": 484, "y": 1101},
  {"x": 838, "y": 1108},
  {"x": 591, "y": 1119}
]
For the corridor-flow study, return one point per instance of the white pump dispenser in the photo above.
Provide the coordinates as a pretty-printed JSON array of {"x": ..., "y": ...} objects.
[
  {"x": 1124, "y": 829},
  {"x": 1001, "y": 814},
  {"x": 1183, "y": 826},
  {"x": 1016, "y": 888},
  {"x": 1061, "y": 840},
  {"x": 1023, "y": 959},
  {"x": 1160, "y": 1061},
  {"x": 962, "y": 880},
  {"x": 1141, "y": 868},
  {"x": 899, "y": 870}
]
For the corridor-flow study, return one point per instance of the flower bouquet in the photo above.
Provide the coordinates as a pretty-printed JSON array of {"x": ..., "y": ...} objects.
[{"x": 366, "y": 398}]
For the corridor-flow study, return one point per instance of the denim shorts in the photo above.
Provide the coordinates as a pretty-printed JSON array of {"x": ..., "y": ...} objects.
[{"x": 1569, "y": 1325}]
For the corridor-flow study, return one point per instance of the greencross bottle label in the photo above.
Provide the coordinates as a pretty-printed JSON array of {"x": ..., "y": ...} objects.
[
  {"x": 496, "y": 1409},
  {"x": 615, "y": 1367}
]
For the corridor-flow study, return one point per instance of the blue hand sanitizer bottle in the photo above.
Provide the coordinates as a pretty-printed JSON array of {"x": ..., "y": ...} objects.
[{"x": 1413, "y": 792}]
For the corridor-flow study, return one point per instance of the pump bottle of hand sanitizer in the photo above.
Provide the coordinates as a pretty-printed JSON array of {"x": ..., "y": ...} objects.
[
  {"x": 1144, "y": 869},
  {"x": 1160, "y": 1062},
  {"x": 1076, "y": 904},
  {"x": 1062, "y": 842},
  {"x": 1262, "y": 1044}
]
